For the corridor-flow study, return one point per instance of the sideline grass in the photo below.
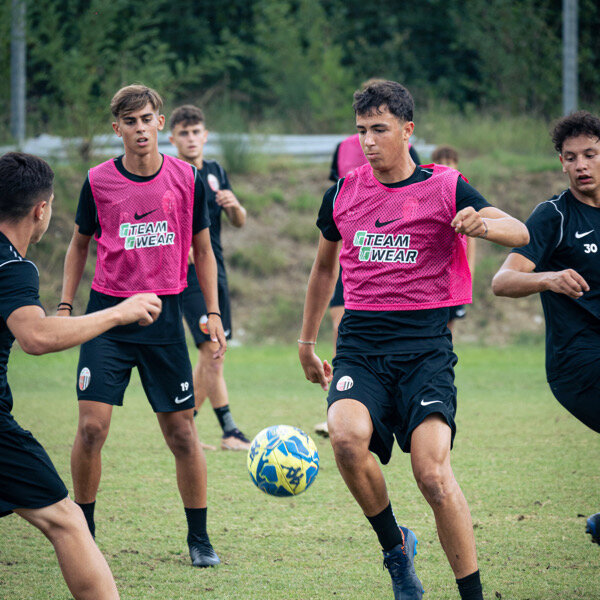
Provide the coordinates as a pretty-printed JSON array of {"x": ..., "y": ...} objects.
[{"x": 528, "y": 469}]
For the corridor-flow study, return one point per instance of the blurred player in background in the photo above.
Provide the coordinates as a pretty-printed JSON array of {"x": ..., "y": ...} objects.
[
  {"x": 447, "y": 155},
  {"x": 144, "y": 210},
  {"x": 188, "y": 135},
  {"x": 394, "y": 365},
  {"x": 29, "y": 483},
  {"x": 562, "y": 263}
]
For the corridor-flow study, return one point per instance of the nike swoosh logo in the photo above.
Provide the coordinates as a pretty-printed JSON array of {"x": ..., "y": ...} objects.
[
  {"x": 379, "y": 223},
  {"x": 580, "y": 235},
  {"x": 423, "y": 403},
  {"x": 180, "y": 400},
  {"x": 138, "y": 217}
]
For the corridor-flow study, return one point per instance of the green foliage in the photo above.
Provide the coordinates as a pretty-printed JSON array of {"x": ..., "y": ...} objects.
[
  {"x": 258, "y": 259},
  {"x": 527, "y": 468}
]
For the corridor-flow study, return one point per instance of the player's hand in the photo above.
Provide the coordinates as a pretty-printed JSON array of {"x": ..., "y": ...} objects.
[
  {"x": 568, "y": 282},
  {"x": 469, "y": 222},
  {"x": 143, "y": 308},
  {"x": 226, "y": 199},
  {"x": 217, "y": 334},
  {"x": 315, "y": 370}
]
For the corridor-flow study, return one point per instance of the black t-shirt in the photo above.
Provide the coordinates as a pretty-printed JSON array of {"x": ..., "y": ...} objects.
[
  {"x": 215, "y": 178},
  {"x": 565, "y": 234},
  {"x": 19, "y": 286},
  {"x": 168, "y": 328},
  {"x": 402, "y": 331}
]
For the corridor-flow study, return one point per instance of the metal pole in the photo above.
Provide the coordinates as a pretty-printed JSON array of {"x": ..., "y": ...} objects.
[
  {"x": 17, "y": 72},
  {"x": 570, "y": 67}
]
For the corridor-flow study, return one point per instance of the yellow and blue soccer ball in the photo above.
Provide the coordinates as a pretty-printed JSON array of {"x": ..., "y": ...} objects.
[{"x": 283, "y": 461}]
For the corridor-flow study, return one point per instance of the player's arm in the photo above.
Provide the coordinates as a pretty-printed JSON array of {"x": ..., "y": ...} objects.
[
  {"x": 235, "y": 212},
  {"x": 39, "y": 334},
  {"x": 492, "y": 224},
  {"x": 322, "y": 280},
  {"x": 75, "y": 260},
  {"x": 516, "y": 279},
  {"x": 206, "y": 270}
]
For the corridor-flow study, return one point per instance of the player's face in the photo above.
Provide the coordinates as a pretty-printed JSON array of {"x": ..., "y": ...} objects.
[
  {"x": 580, "y": 159},
  {"x": 189, "y": 140},
  {"x": 139, "y": 130},
  {"x": 384, "y": 138}
]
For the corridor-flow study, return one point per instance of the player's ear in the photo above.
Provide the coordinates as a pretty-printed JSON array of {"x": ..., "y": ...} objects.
[
  {"x": 161, "y": 122},
  {"x": 171, "y": 139},
  {"x": 562, "y": 162},
  {"x": 116, "y": 128}
]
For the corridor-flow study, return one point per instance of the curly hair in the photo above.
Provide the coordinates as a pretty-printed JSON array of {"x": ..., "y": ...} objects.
[
  {"x": 380, "y": 94},
  {"x": 574, "y": 125}
]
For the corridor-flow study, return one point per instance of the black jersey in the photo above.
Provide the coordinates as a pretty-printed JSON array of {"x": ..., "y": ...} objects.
[
  {"x": 19, "y": 286},
  {"x": 381, "y": 332},
  {"x": 168, "y": 327},
  {"x": 565, "y": 234},
  {"x": 215, "y": 178}
]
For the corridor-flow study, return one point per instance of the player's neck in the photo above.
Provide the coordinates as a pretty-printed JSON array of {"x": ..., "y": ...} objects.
[
  {"x": 196, "y": 162},
  {"x": 398, "y": 172},
  {"x": 592, "y": 199},
  {"x": 143, "y": 165},
  {"x": 19, "y": 235}
]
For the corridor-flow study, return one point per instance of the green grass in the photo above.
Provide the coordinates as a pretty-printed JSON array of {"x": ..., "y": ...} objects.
[{"x": 528, "y": 470}]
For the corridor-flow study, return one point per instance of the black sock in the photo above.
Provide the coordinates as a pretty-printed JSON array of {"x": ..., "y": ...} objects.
[
  {"x": 386, "y": 528},
  {"x": 225, "y": 419},
  {"x": 469, "y": 587},
  {"x": 88, "y": 513},
  {"x": 196, "y": 519}
]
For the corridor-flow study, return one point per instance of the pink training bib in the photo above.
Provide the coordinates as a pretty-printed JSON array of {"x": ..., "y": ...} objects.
[
  {"x": 146, "y": 229},
  {"x": 399, "y": 251}
]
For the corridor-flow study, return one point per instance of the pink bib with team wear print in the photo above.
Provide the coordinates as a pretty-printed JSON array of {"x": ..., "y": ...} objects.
[
  {"x": 399, "y": 251},
  {"x": 146, "y": 229}
]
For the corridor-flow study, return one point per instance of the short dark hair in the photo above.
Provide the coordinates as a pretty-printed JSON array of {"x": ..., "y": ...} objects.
[
  {"x": 574, "y": 125},
  {"x": 134, "y": 97},
  {"x": 381, "y": 93},
  {"x": 188, "y": 114},
  {"x": 24, "y": 178},
  {"x": 442, "y": 153}
]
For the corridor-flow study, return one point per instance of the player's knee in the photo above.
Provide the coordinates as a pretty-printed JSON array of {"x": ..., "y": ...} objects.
[
  {"x": 349, "y": 446},
  {"x": 93, "y": 432},
  {"x": 182, "y": 439},
  {"x": 435, "y": 484},
  {"x": 61, "y": 519}
]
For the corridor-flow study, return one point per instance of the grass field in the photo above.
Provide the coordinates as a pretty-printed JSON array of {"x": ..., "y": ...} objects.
[{"x": 528, "y": 469}]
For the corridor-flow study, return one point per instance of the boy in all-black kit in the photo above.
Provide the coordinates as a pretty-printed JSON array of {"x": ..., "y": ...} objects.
[
  {"x": 562, "y": 263},
  {"x": 29, "y": 483}
]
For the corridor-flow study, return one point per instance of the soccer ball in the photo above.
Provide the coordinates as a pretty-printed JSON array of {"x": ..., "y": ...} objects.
[{"x": 283, "y": 461}]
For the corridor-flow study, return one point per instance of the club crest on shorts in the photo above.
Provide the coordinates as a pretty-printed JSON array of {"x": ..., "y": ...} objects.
[
  {"x": 84, "y": 378},
  {"x": 344, "y": 383},
  {"x": 213, "y": 182},
  {"x": 204, "y": 324}
]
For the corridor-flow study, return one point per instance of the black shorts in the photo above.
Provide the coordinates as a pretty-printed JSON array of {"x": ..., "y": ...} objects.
[
  {"x": 28, "y": 478},
  {"x": 399, "y": 390},
  {"x": 165, "y": 370},
  {"x": 457, "y": 312},
  {"x": 194, "y": 308},
  {"x": 579, "y": 393},
  {"x": 338, "y": 294}
]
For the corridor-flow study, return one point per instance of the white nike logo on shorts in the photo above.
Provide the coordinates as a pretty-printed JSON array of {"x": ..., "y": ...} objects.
[
  {"x": 180, "y": 400},
  {"x": 423, "y": 403},
  {"x": 580, "y": 235}
]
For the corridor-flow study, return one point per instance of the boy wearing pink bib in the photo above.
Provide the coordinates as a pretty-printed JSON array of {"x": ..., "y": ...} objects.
[
  {"x": 144, "y": 210},
  {"x": 403, "y": 259}
]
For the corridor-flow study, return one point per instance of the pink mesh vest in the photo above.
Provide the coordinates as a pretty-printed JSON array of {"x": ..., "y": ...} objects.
[
  {"x": 146, "y": 229},
  {"x": 399, "y": 251},
  {"x": 350, "y": 155}
]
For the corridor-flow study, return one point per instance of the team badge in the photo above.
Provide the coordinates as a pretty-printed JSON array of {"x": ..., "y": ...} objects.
[
  {"x": 168, "y": 201},
  {"x": 204, "y": 324},
  {"x": 213, "y": 182},
  {"x": 84, "y": 378},
  {"x": 344, "y": 383}
]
